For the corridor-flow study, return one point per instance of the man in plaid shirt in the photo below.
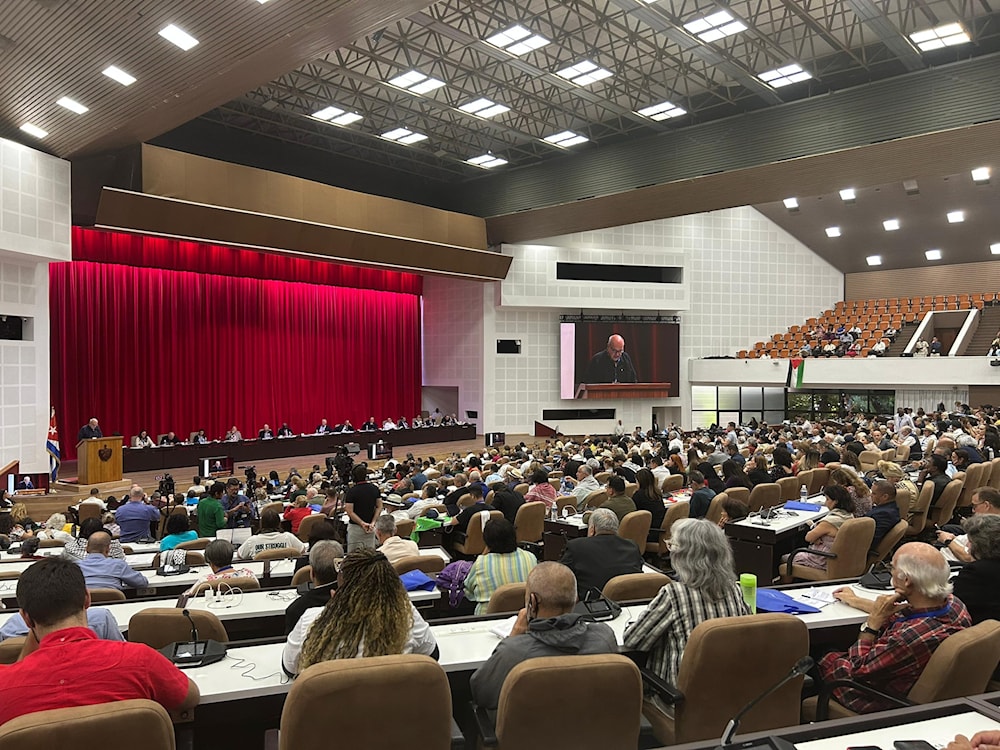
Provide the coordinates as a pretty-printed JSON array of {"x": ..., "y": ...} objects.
[{"x": 902, "y": 631}]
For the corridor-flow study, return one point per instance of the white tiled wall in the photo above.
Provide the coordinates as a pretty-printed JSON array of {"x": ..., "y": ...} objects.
[
  {"x": 744, "y": 279},
  {"x": 34, "y": 229}
]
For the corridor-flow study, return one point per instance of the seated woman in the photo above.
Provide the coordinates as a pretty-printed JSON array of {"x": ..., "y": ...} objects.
[
  {"x": 143, "y": 440},
  {"x": 53, "y": 529},
  {"x": 219, "y": 556},
  {"x": 504, "y": 562},
  {"x": 541, "y": 490},
  {"x": 649, "y": 497},
  {"x": 822, "y": 533},
  {"x": 77, "y": 548},
  {"x": 734, "y": 476},
  {"x": 855, "y": 485},
  {"x": 712, "y": 477},
  {"x": 178, "y": 531},
  {"x": 758, "y": 473},
  {"x": 270, "y": 537},
  {"x": 369, "y": 615},
  {"x": 782, "y": 461},
  {"x": 977, "y": 583},
  {"x": 707, "y": 588},
  {"x": 295, "y": 514},
  {"x": 733, "y": 510}
]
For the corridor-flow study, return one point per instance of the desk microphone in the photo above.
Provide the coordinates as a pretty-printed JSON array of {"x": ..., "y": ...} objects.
[
  {"x": 194, "y": 628},
  {"x": 802, "y": 666},
  {"x": 196, "y": 652}
]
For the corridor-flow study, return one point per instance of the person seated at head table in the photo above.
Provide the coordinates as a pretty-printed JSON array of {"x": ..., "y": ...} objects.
[{"x": 369, "y": 614}]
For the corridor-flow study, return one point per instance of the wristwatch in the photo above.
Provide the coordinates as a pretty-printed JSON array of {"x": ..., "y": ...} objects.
[{"x": 866, "y": 628}]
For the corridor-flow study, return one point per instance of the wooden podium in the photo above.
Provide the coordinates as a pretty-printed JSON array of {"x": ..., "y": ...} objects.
[
  {"x": 623, "y": 390},
  {"x": 99, "y": 460}
]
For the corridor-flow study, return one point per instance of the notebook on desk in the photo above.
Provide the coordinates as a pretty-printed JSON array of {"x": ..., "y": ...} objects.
[{"x": 236, "y": 536}]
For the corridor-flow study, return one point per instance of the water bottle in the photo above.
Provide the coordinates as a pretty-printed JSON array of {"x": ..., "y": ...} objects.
[
  {"x": 804, "y": 494},
  {"x": 555, "y": 512}
]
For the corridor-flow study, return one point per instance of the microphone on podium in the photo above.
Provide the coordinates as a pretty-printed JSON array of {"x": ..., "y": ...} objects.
[{"x": 802, "y": 666}]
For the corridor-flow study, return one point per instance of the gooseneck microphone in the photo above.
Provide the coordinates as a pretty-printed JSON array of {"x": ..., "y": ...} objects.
[
  {"x": 196, "y": 652},
  {"x": 194, "y": 628},
  {"x": 802, "y": 666}
]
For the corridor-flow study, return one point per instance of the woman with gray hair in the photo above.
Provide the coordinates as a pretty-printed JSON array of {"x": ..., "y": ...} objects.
[
  {"x": 707, "y": 588},
  {"x": 978, "y": 582}
]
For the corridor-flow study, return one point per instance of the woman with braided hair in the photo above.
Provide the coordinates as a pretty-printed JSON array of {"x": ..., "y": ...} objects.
[{"x": 369, "y": 615}]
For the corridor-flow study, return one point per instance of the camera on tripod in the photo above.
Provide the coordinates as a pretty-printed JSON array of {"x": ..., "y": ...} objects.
[{"x": 166, "y": 486}]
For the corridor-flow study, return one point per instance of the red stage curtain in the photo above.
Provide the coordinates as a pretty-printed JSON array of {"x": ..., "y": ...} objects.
[
  {"x": 180, "y": 255},
  {"x": 161, "y": 350}
]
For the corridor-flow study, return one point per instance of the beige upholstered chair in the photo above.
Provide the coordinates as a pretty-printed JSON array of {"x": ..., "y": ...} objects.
[
  {"x": 350, "y": 694},
  {"x": 995, "y": 473},
  {"x": 847, "y": 558},
  {"x": 869, "y": 459},
  {"x": 565, "y": 500},
  {"x": 196, "y": 544},
  {"x": 277, "y": 506},
  {"x": 754, "y": 652},
  {"x": 918, "y": 516},
  {"x": 611, "y": 722},
  {"x": 191, "y": 557},
  {"x": 673, "y": 483},
  {"x": 429, "y": 564},
  {"x": 738, "y": 493},
  {"x": 764, "y": 495},
  {"x": 159, "y": 626},
  {"x": 962, "y": 665},
  {"x": 596, "y": 499},
  {"x": 635, "y": 526},
  {"x": 788, "y": 488},
  {"x": 635, "y": 586},
  {"x": 507, "y": 598},
  {"x": 277, "y": 554},
  {"x": 473, "y": 543},
  {"x": 10, "y": 649},
  {"x": 88, "y": 510},
  {"x": 888, "y": 543},
  {"x": 973, "y": 481},
  {"x": 820, "y": 477},
  {"x": 674, "y": 513},
  {"x": 237, "y": 582},
  {"x": 91, "y": 727},
  {"x": 714, "y": 512},
  {"x": 529, "y": 523},
  {"x": 404, "y": 528},
  {"x": 98, "y": 596},
  {"x": 302, "y": 575},
  {"x": 309, "y": 523},
  {"x": 943, "y": 509}
]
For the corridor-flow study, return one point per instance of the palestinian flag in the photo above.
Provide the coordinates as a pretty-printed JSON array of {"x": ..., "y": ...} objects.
[{"x": 796, "y": 368}]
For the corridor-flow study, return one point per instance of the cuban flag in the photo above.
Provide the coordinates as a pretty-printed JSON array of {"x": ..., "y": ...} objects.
[{"x": 52, "y": 446}]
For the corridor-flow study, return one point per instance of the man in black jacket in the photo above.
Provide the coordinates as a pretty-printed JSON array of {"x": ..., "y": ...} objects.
[
  {"x": 324, "y": 560},
  {"x": 506, "y": 500},
  {"x": 613, "y": 365},
  {"x": 602, "y": 554}
]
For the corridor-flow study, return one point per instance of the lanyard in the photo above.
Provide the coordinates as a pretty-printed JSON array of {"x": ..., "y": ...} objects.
[{"x": 934, "y": 613}]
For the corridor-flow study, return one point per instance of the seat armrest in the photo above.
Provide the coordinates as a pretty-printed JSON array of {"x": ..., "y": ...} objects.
[
  {"x": 826, "y": 692},
  {"x": 486, "y": 723},
  {"x": 791, "y": 557},
  {"x": 667, "y": 692}
]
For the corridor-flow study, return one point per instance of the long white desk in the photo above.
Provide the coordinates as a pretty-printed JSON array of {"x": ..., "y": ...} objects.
[
  {"x": 255, "y": 671},
  {"x": 938, "y": 732}
]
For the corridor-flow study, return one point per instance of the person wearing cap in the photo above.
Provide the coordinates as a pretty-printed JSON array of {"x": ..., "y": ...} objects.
[{"x": 894, "y": 473}]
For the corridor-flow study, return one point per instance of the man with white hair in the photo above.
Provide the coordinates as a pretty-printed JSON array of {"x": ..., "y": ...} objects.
[
  {"x": 585, "y": 483},
  {"x": 602, "y": 554},
  {"x": 903, "y": 629},
  {"x": 394, "y": 547}
]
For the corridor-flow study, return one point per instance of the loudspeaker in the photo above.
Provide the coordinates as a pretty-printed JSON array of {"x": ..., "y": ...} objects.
[{"x": 508, "y": 346}]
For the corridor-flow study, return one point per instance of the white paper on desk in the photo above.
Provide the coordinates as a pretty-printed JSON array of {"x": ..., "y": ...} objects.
[
  {"x": 815, "y": 597},
  {"x": 502, "y": 628}
]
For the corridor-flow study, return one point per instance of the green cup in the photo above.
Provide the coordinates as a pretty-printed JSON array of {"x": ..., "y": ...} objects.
[{"x": 748, "y": 585}]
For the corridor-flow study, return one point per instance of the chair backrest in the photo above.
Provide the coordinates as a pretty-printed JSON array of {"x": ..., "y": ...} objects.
[
  {"x": 888, "y": 543},
  {"x": 276, "y": 554},
  {"x": 754, "y": 652},
  {"x": 764, "y": 495},
  {"x": 51, "y": 543},
  {"x": 159, "y": 626},
  {"x": 106, "y": 595},
  {"x": 973, "y": 481},
  {"x": 555, "y": 482},
  {"x": 635, "y": 526},
  {"x": 945, "y": 506},
  {"x": 529, "y": 523},
  {"x": 918, "y": 517},
  {"x": 277, "y": 506},
  {"x": 869, "y": 459},
  {"x": 428, "y": 564},
  {"x": 788, "y": 488},
  {"x": 565, "y": 500},
  {"x": 603, "y": 476},
  {"x": 441, "y": 508},
  {"x": 902, "y": 453},
  {"x": 714, "y": 512},
  {"x": 635, "y": 586},
  {"x": 887, "y": 455},
  {"x": 738, "y": 493},
  {"x": 596, "y": 499},
  {"x": 10, "y": 649},
  {"x": 91, "y": 727},
  {"x": 236, "y": 582},
  {"x": 405, "y": 528},
  {"x": 803, "y": 478},
  {"x": 308, "y": 523},
  {"x": 611, "y": 722},
  {"x": 677, "y": 511},
  {"x": 903, "y": 501},
  {"x": 191, "y": 557},
  {"x": 961, "y": 665},
  {"x": 465, "y": 501},
  {"x": 851, "y": 546},
  {"x": 673, "y": 483},
  {"x": 820, "y": 477},
  {"x": 521, "y": 489},
  {"x": 995, "y": 473},
  {"x": 196, "y": 544},
  {"x": 987, "y": 476},
  {"x": 88, "y": 510},
  {"x": 507, "y": 598},
  {"x": 630, "y": 488},
  {"x": 350, "y": 694},
  {"x": 302, "y": 575},
  {"x": 474, "y": 544}
]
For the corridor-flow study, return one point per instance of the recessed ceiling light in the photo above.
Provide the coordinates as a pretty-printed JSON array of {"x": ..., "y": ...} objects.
[
  {"x": 911, "y": 187},
  {"x": 517, "y": 40},
  {"x": 784, "y": 76},
  {"x": 661, "y": 111},
  {"x": 117, "y": 74},
  {"x": 584, "y": 73},
  {"x": 403, "y": 135},
  {"x": 995, "y": 248},
  {"x": 484, "y": 108},
  {"x": 487, "y": 161},
  {"x": 791, "y": 203},
  {"x": 34, "y": 130},
  {"x": 874, "y": 260},
  {"x": 336, "y": 116},
  {"x": 890, "y": 225},
  {"x": 833, "y": 231},
  {"x": 933, "y": 255},
  {"x": 956, "y": 217},
  {"x": 416, "y": 82},
  {"x": 943, "y": 36},
  {"x": 565, "y": 139},
  {"x": 714, "y": 27},
  {"x": 848, "y": 194},
  {"x": 981, "y": 174},
  {"x": 72, "y": 105},
  {"x": 177, "y": 35}
]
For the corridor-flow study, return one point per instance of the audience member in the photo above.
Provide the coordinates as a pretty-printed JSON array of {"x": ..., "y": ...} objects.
[
  {"x": 506, "y": 500},
  {"x": 602, "y": 554},
  {"x": 394, "y": 547},
  {"x": 823, "y": 532},
  {"x": 78, "y": 547},
  {"x": 211, "y": 515},
  {"x": 504, "y": 562},
  {"x": 178, "y": 531},
  {"x": 324, "y": 565},
  {"x": 985, "y": 502},
  {"x": 271, "y": 537},
  {"x": 363, "y": 504},
  {"x": 135, "y": 516},
  {"x": 618, "y": 502},
  {"x": 103, "y": 572},
  {"x": 701, "y": 494},
  {"x": 649, "y": 497},
  {"x": 884, "y": 510},
  {"x": 219, "y": 556},
  {"x": 978, "y": 582}
]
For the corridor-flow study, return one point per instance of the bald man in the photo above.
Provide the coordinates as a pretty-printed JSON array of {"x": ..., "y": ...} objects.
[
  {"x": 90, "y": 431},
  {"x": 103, "y": 572},
  {"x": 902, "y": 631},
  {"x": 613, "y": 365},
  {"x": 546, "y": 626}
]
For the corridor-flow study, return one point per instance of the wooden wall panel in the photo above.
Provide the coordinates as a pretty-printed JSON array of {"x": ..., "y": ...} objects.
[
  {"x": 173, "y": 174},
  {"x": 960, "y": 278}
]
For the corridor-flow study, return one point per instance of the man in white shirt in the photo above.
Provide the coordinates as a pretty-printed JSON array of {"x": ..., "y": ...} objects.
[
  {"x": 388, "y": 424},
  {"x": 585, "y": 484},
  {"x": 395, "y": 548},
  {"x": 660, "y": 472},
  {"x": 675, "y": 442}
]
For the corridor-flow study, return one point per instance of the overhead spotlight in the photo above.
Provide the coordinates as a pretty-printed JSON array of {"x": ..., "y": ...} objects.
[
  {"x": 911, "y": 187},
  {"x": 890, "y": 225},
  {"x": 956, "y": 217},
  {"x": 874, "y": 260},
  {"x": 848, "y": 195},
  {"x": 933, "y": 255},
  {"x": 981, "y": 175},
  {"x": 833, "y": 231},
  {"x": 792, "y": 204}
]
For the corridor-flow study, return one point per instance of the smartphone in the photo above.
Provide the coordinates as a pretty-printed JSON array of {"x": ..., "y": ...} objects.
[{"x": 913, "y": 745}]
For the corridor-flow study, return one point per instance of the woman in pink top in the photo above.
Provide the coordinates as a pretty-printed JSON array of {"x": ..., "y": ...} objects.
[{"x": 541, "y": 490}]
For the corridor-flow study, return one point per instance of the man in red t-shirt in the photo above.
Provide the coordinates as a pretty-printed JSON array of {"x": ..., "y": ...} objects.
[{"x": 63, "y": 664}]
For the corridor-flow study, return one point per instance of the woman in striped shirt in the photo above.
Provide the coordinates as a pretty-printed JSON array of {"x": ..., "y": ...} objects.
[{"x": 504, "y": 562}]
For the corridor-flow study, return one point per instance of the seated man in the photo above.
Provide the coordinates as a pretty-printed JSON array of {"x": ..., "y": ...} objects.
[
  {"x": 271, "y": 537},
  {"x": 64, "y": 664},
  {"x": 985, "y": 501},
  {"x": 468, "y": 513},
  {"x": 395, "y": 548},
  {"x": 135, "y": 517},
  {"x": 585, "y": 484},
  {"x": 884, "y": 510},
  {"x": 170, "y": 439},
  {"x": 546, "y": 626},
  {"x": 101, "y": 571},
  {"x": 324, "y": 564},
  {"x": 618, "y": 502},
  {"x": 902, "y": 632},
  {"x": 602, "y": 554},
  {"x": 935, "y": 471},
  {"x": 701, "y": 494}
]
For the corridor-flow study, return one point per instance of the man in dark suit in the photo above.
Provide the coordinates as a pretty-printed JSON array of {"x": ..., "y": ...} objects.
[
  {"x": 602, "y": 554},
  {"x": 25, "y": 483},
  {"x": 322, "y": 428},
  {"x": 90, "y": 430},
  {"x": 613, "y": 365}
]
